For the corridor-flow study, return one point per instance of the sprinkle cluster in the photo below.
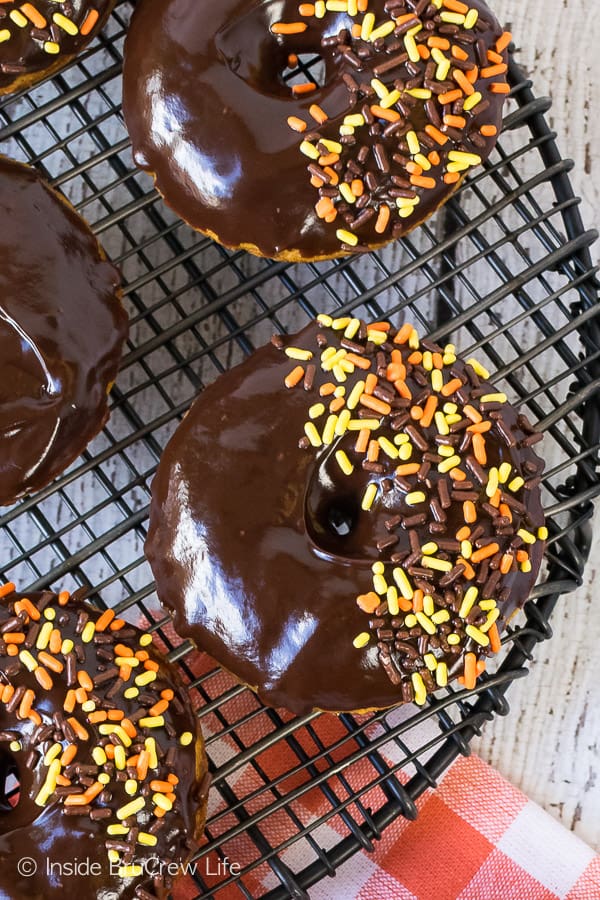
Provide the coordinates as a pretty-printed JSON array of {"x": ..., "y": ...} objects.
[
  {"x": 96, "y": 758},
  {"x": 458, "y": 470},
  {"x": 420, "y": 81},
  {"x": 47, "y": 24}
]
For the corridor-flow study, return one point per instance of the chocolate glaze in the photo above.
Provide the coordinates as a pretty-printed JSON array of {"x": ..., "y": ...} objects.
[
  {"x": 62, "y": 329},
  {"x": 260, "y": 548},
  {"x": 30, "y": 52},
  {"x": 44, "y": 833},
  {"x": 207, "y": 110}
]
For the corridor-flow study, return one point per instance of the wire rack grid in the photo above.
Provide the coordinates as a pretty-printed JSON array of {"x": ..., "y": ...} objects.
[{"x": 504, "y": 270}]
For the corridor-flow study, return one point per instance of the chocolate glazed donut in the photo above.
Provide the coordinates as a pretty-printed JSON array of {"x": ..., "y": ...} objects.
[
  {"x": 39, "y": 37},
  {"x": 101, "y": 734},
  {"x": 347, "y": 519},
  {"x": 62, "y": 329},
  {"x": 411, "y": 98}
]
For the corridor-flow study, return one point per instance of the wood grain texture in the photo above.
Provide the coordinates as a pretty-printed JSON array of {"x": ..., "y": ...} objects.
[{"x": 549, "y": 744}]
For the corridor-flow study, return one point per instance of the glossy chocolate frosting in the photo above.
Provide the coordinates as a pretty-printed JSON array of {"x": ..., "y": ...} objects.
[
  {"x": 207, "y": 111},
  {"x": 42, "y": 831},
  {"x": 62, "y": 329},
  {"x": 262, "y": 551},
  {"x": 40, "y": 37}
]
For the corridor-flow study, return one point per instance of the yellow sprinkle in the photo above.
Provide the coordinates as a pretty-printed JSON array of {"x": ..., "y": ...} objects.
[
  {"x": 379, "y": 88},
  {"x": 89, "y": 706},
  {"x": 419, "y": 687},
  {"x": 132, "y": 808},
  {"x": 450, "y": 463},
  {"x": 120, "y": 757},
  {"x": 145, "y": 640},
  {"x": 43, "y": 637},
  {"x": 493, "y": 398},
  {"x": 406, "y": 202},
  {"x": 471, "y": 159},
  {"x": 325, "y": 320},
  {"x": 410, "y": 620},
  {"x": 152, "y": 722},
  {"x": 358, "y": 424},
  {"x": 388, "y": 448},
  {"x": 441, "y": 616},
  {"x": 66, "y": 24},
  {"x": 420, "y": 94},
  {"x": 66, "y": 646},
  {"x": 413, "y": 141},
  {"x": 453, "y": 418},
  {"x": 457, "y": 167},
  {"x": 542, "y": 533},
  {"x": 471, "y": 102},
  {"x": 440, "y": 419},
  {"x": 150, "y": 746},
  {"x": 382, "y": 31},
  {"x": 526, "y": 566},
  {"x": 453, "y": 639},
  {"x": 392, "y": 600},
  {"x": 131, "y": 693},
  {"x": 134, "y": 870},
  {"x": 146, "y": 839},
  {"x": 468, "y": 602},
  {"x": 312, "y": 434},
  {"x": 450, "y": 408},
  {"x": 298, "y": 353},
  {"x": 415, "y": 497},
  {"x": 99, "y": 756},
  {"x": 346, "y": 192},
  {"x": 309, "y": 150},
  {"x": 344, "y": 463},
  {"x": 316, "y": 410},
  {"x": 340, "y": 391},
  {"x": 428, "y": 605},
  {"x": 452, "y": 18},
  {"x": 88, "y": 633},
  {"x": 352, "y": 328},
  {"x": 404, "y": 586},
  {"x": 52, "y": 753},
  {"x": 425, "y": 623},
  {"x": 369, "y": 496},
  {"x": 441, "y": 674},
  {"x": 115, "y": 829},
  {"x": 487, "y": 604},
  {"x": 437, "y": 380},
  {"x": 131, "y": 661},
  {"x": 104, "y": 778},
  {"x": 380, "y": 585},
  {"x": 411, "y": 48},
  {"x": 5, "y": 35},
  {"x": 413, "y": 340},
  {"x": 51, "y": 47},
  {"x": 466, "y": 549},
  {"x": 329, "y": 430},
  {"x": 50, "y": 614},
  {"x": 504, "y": 471},
  {"x": 319, "y": 9},
  {"x": 440, "y": 565},
  {"x": 354, "y": 120},
  {"x": 339, "y": 325},
  {"x": 332, "y": 146},
  {"x": 378, "y": 568},
  {"x": 428, "y": 360},
  {"x": 429, "y": 548},
  {"x": 113, "y": 856},
  {"x": 477, "y": 635},
  {"x": 346, "y": 237},
  {"x": 478, "y": 368},
  {"x": 377, "y": 337},
  {"x": 28, "y": 660},
  {"x": 131, "y": 786},
  {"x": 446, "y": 450},
  {"x": 392, "y": 97},
  {"x": 355, "y": 395},
  {"x": 15, "y": 746},
  {"x": 361, "y": 640},
  {"x": 401, "y": 438},
  {"x": 491, "y": 618},
  {"x": 18, "y": 18},
  {"x": 516, "y": 484},
  {"x": 367, "y": 26},
  {"x": 342, "y": 422},
  {"x": 471, "y": 19},
  {"x": 492, "y": 485},
  {"x": 525, "y": 535},
  {"x": 430, "y": 662}
]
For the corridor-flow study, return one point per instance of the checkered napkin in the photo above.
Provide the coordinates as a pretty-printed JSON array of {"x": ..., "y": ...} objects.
[{"x": 476, "y": 836}]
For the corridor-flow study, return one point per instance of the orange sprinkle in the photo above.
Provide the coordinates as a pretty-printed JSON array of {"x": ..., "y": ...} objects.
[
  {"x": 81, "y": 695},
  {"x": 423, "y": 51},
  {"x": 89, "y": 22},
  {"x": 76, "y": 800},
  {"x": 417, "y": 601},
  {"x": 430, "y": 407},
  {"x": 469, "y": 570},
  {"x": 499, "y": 87},
  {"x": 33, "y": 15},
  {"x": 383, "y": 217},
  {"x": 470, "y": 670},
  {"x": 288, "y": 27},
  {"x": 362, "y": 441},
  {"x": 61, "y": 780},
  {"x": 454, "y": 385},
  {"x": 396, "y": 355},
  {"x": 378, "y": 406},
  {"x": 484, "y": 552},
  {"x": 395, "y": 371},
  {"x": 495, "y": 500},
  {"x": 97, "y": 716},
  {"x": 403, "y": 334},
  {"x": 463, "y": 82},
  {"x": 117, "y": 624},
  {"x": 362, "y": 5},
  {"x": 85, "y": 681},
  {"x": 43, "y": 678},
  {"x": 459, "y": 53},
  {"x": 434, "y": 158},
  {"x": 6, "y": 589},
  {"x": 415, "y": 357},
  {"x": 390, "y": 115},
  {"x": 326, "y": 389},
  {"x": 357, "y": 187},
  {"x": 373, "y": 451},
  {"x": 159, "y": 708},
  {"x": 506, "y": 563},
  {"x": 403, "y": 389},
  {"x": 480, "y": 666},
  {"x": 115, "y": 715},
  {"x": 55, "y": 642},
  {"x": 317, "y": 182},
  {"x": 50, "y": 662},
  {"x": 337, "y": 404},
  {"x": 63, "y": 598},
  {"x": 522, "y": 555},
  {"x": 324, "y": 207},
  {"x": 305, "y": 88},
  {"x": 479, "y": 449},
  {"x": 379, "y": 326},
  {"x": 456, "y": 6},
  {"x": 105, "y": 620},
  {"x": 296, "y": 124},
  {"x": 488, "y": 72},
  {"x": 505, "y": 511},
  {"x": 455, "y": 121},
  {"x": 331, "y": 217},
  {"x": 26, "y": 703},
  {"x": 356, "y": 30},
  {"x": 368, "y": 602},
  {"x": 12, "y": 650},
  {"x": 472, "y": 74},
  {"x": 463, "y": 534},
  {"x": 451, "y": 177},
  {"x": 292, "y": 60},
  {"x": 163, "y": 787},
  {"x": 422, "y": 181},
  {"x": 70, "y": 701},
  {"x": 306, "y": 9},
  {"x": 167, "y": 694},
  {"x": 488, "y": 130},
  {"x": 479, "y": 427},
  {"x": 158, "y": 812},
  {"x": 414, "y": 168},
  {"x": 440, "y": 43},
  {"x": 334, "y": 178},
  {"x": 78, "y": 728},
  {"x": 93, "y": 791},
  {"x": 457, "y": 475},
  {"x": 27, "y": 606},
  {"x": 416, "y": 413},
  {"x": 450, "y": 96},
  {"x": 142, "y": 655},
  {"x": 408, "y": 469},
  {"x": 503, "y": 41},
  {"x": 329, "y": 159},
  {"x": 142, "y": 764},
  {"x": 494, "y": 636},
  {"x": 318, "y": 114},
  {"x": 172, "y": 778},
  {"x": 125, "y": 672},
  {"x": 109, "y": 749},
  {"x": 295, "y": 376},
  {"x": 494, "y": 57},
  {"x": 358, "y": 361},
  {"x": 123, "y": 650},
  {"x": 469, "y": 512},
  {"x": 69, "y": 754},
  {"x": 7, "y": 693},
  {"x": 472, "y": 413},
  {"x": 370, "y": 383},
  {"x": 129, "y": 728},
  {"x": 14, "y": 637}
]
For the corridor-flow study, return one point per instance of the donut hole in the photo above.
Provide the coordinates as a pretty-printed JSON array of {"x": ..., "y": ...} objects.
[
  {"x": 303, "y": 68},
  {"x": 10, "y": 783}
]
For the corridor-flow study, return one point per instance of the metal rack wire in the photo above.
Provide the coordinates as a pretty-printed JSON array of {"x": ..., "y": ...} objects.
[{"x": 504, "y": 269}]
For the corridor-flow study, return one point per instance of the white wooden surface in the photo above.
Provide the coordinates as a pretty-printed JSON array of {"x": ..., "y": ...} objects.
[{"x": 550, "y": 744}]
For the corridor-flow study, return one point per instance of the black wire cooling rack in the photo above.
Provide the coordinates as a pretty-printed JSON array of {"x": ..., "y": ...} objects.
[{"x": 503, "y": 270}]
